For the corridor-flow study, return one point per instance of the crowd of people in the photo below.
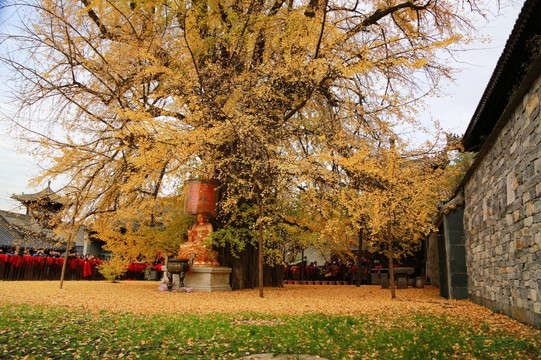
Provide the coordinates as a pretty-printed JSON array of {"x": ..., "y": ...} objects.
[
  {"x": 337, "y": 270},
  {"x": 17, "y": 263},
  {"x": 17, "y": 250}
]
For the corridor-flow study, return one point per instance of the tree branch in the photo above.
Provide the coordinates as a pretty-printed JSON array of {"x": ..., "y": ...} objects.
[
  {"x": 322, "y": 30},
  {"x": 95, "y": 18},
  {"x": 379, "y": 14}
]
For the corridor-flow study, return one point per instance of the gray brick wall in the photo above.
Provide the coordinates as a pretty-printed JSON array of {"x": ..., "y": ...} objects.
[
  {"x": 432, "y": 260},
  {"x": 502, "y": 218}
]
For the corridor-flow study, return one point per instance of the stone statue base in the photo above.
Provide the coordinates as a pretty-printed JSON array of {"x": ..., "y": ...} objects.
[{"x": 206, "y": 278}]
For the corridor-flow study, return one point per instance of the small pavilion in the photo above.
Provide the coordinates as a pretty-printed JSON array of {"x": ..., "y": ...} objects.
[{"x": 34, "y": 229}]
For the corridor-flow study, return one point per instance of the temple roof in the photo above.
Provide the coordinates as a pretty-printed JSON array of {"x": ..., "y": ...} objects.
[
  {"x": 509, "y": 73},
  {"x": 45, "y": 194},
  {"x": 24, "y": 230}
]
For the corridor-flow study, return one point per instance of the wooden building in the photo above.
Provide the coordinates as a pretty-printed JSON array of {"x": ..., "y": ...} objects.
[{"x": 35, "y": 229}]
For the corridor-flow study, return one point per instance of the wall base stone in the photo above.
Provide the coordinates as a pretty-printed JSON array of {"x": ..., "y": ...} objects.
[{"x": 520, "y": 314}]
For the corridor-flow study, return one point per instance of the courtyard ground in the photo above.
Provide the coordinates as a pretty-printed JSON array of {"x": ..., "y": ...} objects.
[{"x": 330, "y": 321}]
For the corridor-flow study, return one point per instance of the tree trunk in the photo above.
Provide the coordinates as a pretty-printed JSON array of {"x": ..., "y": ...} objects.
[
  {"x": 390, "y": 254},
  {"x": 245, "y": 269},
  {"x": 65, "y": 264},
  {"x": 302, "y": 265},
  {"x": 245, "y": 266},
  {"x": 274, "y": 275},
  {"x": 260, "y": 255},
  {"x": 359, "y": 259}
]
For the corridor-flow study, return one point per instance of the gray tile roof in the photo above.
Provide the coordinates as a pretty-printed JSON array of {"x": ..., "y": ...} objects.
[
  {"x": 507, "y": 76},
  {"x": 24, "y": 230},
  {"x": 46, "y": 194}
]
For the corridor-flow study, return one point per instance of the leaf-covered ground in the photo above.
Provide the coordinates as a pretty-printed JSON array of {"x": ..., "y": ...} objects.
[
  {"x": 144, "y": 297},
  {"x": 95, "y": 320}
]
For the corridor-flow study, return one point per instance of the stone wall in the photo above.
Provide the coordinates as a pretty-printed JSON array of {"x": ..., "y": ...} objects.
[
  {"x": 432, "y": 260},
  {"x": 502, "y": 219}
]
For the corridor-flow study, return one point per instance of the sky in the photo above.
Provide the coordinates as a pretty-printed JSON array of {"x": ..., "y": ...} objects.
[{"x": 453, "y": 110}]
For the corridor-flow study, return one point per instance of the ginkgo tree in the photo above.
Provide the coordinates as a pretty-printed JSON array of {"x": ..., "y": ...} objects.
[
  {"x": 400, "y": 212},
  {"x": 127, "y": 98},
  {"x": 383, "y": 195}
]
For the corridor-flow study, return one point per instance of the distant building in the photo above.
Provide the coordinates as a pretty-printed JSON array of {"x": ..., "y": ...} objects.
[
  {"x": 25, "y": 231},
  {"x": 35, "y": 229},
  {"x": 488, "y": 248}
]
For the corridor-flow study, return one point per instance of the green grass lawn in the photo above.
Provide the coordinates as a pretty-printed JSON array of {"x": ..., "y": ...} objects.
[{"x": 42, "y": 332}]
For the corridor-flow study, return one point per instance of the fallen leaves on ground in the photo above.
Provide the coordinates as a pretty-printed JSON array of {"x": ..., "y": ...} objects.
[{"x": 144, "y": 297}]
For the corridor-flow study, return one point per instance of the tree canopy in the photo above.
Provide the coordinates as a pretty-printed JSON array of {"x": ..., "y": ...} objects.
[{"x": 276, "y": 99}]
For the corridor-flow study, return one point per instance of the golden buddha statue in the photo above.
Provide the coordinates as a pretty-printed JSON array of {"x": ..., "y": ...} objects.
[{"x": 196, "y": 244}]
